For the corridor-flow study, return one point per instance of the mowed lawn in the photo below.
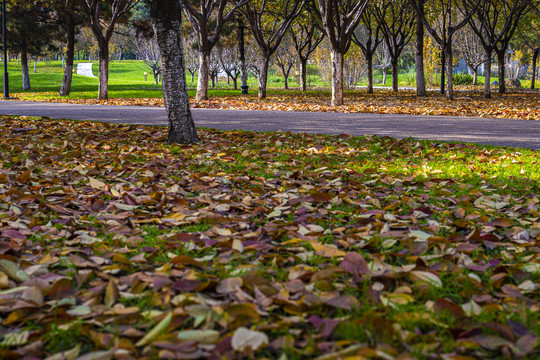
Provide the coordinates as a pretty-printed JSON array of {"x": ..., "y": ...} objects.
[{"x": 264, "y": 245}]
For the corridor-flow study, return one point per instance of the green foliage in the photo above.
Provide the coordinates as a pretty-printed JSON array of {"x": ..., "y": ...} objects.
[{"x": 463, "y": 79}]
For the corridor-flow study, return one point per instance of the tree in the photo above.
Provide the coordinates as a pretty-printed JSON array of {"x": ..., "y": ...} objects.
[
  {"x": 166, "y": 16},
  {"x": 207, "y": 18},
  {"x": 191, "y": 59},
  {"x": 215, "y": 67},
  {"x": 340, "y": 18},
  {"x": 69, "y": 24},
  {"x": 286, "y": 60},
  {"x": 368, "y": 37},
  {"x": 101, "y": 16},
  {"x": 269, "y": 24},
  {"x": 470, "y": 48},
  {"x": 420, "y": 72},
  {"x": 146, "y": 46},
  {"x": 230, "y": 63},
  {"x": 495, "y": 22},
  {"x": 447, "y": 17},
  {"x": 31, "y": 29},
  {"x": 529, "y": 38},
  {"x": 383, "y": 60},
  {"x": 306, "y": 33},
  {"x": 397, "y": 22}
]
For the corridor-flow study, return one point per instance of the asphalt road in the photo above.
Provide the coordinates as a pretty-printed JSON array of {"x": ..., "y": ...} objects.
[{"x": 517, "y": 133}]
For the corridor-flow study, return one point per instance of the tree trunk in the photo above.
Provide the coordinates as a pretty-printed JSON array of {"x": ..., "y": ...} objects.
[
  {"x": 204, "y": 73},
  {"x": 167, "y": 17},
  {"x": 369, "y": 59},
  {"x": 285, "y": 79},
  {"x": 263, "y": 77},
  {"x": 449, "y": 72},
  {"x": 395, "y": 79},
  {"x": 475, "y": 76},
  {"x": 35, "y": 64},
  {"x": 25, "y": 75},
  {"x": 65, "y": 89},
  {"x": 420, "y": 76},
  {"x": 443, "y": 70},
  {"x": 103, "y": 52},
  {"x": 384, "y": 76},
  {"x": 242, "y": 50},
  {"x": 534, "y": 60},
  {"x": 156, "y": 78},
  {"x": 235, "y": 83},
  {"x": 337, "y": 77},
  {"x": 213, "y": 81},
  {"x": 303, "y": 74},
  {"x": 192, "y": 76},
  {"x": 487, "y": 74},
  {"x": 502, "y": 71}
]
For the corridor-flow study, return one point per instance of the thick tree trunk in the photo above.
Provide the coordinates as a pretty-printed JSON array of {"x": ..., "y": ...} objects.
[
  {"x": 65, "y": 89},
  {"x": 167, "y": 17},
  {"x": 369, "y": 59},
  {"x": 534, "y": 60},
  {"x": 103, "y": 52},
  {"x": 204, "y": 73},
  {"x": 502, "y": 71},
  {"x": 285, "y": 79},
  {"x": 242, "y": 50},
  {"x": 213, "y": 81},
  {"x": 303, "y": 74},
  {"x": 475, "y": 76},
  {"x": 263, "y": 77},
  {"x": 449, "y": 72},
  {"x": 487, "y": 73},
  {"x": 25, "y": 74},
  {"x": 420, "y": 76},
  {"x": 337, "y": 77},
  {"x": 235, "y": 83},
  {"x": 395, "y": 79}
]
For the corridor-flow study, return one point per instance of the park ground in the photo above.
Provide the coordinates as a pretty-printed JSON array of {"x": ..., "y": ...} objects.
[
  {"x": 127, "y": 87},
  {"x": 264, "y": 245}
]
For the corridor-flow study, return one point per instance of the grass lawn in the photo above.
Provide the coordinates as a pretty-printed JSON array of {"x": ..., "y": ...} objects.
[{"x": 264, "y": 245}]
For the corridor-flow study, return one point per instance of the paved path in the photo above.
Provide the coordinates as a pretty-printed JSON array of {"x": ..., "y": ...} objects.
[{"x": 519, "y": 133}]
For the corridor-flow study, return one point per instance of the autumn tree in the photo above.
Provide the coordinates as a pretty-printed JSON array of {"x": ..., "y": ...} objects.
[
  {"x": 529, "y": 38},
  {"x": 469, "y": 46},
  {"x": 306, "y": 33},
  {"x": 69, "y": 25},
  {"x": 230, "y": 63},
  {"x": 286, "y": 59},
  {"x": 340, "y": 18},
  {"x": 166, "y": 16},
  {"x": 368, "y": 36},
  {"x": 101, "y": 16},
  {"x": 145, "y": 44},
  {"x": 208, "y": 18},
  {"x": 419, "y": 56},
  {"x": 442, "y": 21},
  {"x": 397, "y": 21},
  {"x": 495, "y": 22},
  {"x": 269, "y": 22}
]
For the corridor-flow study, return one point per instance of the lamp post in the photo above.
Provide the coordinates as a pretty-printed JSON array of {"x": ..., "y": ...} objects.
[{"x": 4, "y": 47}]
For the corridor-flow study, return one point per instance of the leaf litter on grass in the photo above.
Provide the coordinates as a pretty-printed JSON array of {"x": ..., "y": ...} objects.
[{"x": 263, "y": 245}]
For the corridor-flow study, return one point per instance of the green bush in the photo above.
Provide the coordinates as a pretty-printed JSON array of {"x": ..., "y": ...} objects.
[{"x": 463, "y": 79}]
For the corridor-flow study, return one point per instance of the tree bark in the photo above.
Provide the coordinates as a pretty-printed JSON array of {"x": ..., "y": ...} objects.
[
  {"x": 384, "y": 76},
  {"x": 65, "y": 89},
  {"x": 103, "y": 52},
  {"x": 395, "y": 78},
  {"x": 25, "y": 74},
  {"x": 475, "y": 77},
  {"x": 420, "y": 75},
  {"x": 263, "y": 77},
  {"x": 204, "y": 70},
  {"x": 502, "y": 71},
  {"x": 303, "y": 74},
  {"x": 167, "y": 17},
  {"x": 337, "y": 77},
  {"x": 449, "y": 72},
  {"x": 235, "y": 83},
  {"x": 369, "y": 59},
  {"x": 487, "y": 81},
  {"x": 534, "y": 60}
]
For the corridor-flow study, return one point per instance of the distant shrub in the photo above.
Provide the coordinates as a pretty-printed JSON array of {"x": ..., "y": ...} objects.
[{"x": 463, "y": 79}]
